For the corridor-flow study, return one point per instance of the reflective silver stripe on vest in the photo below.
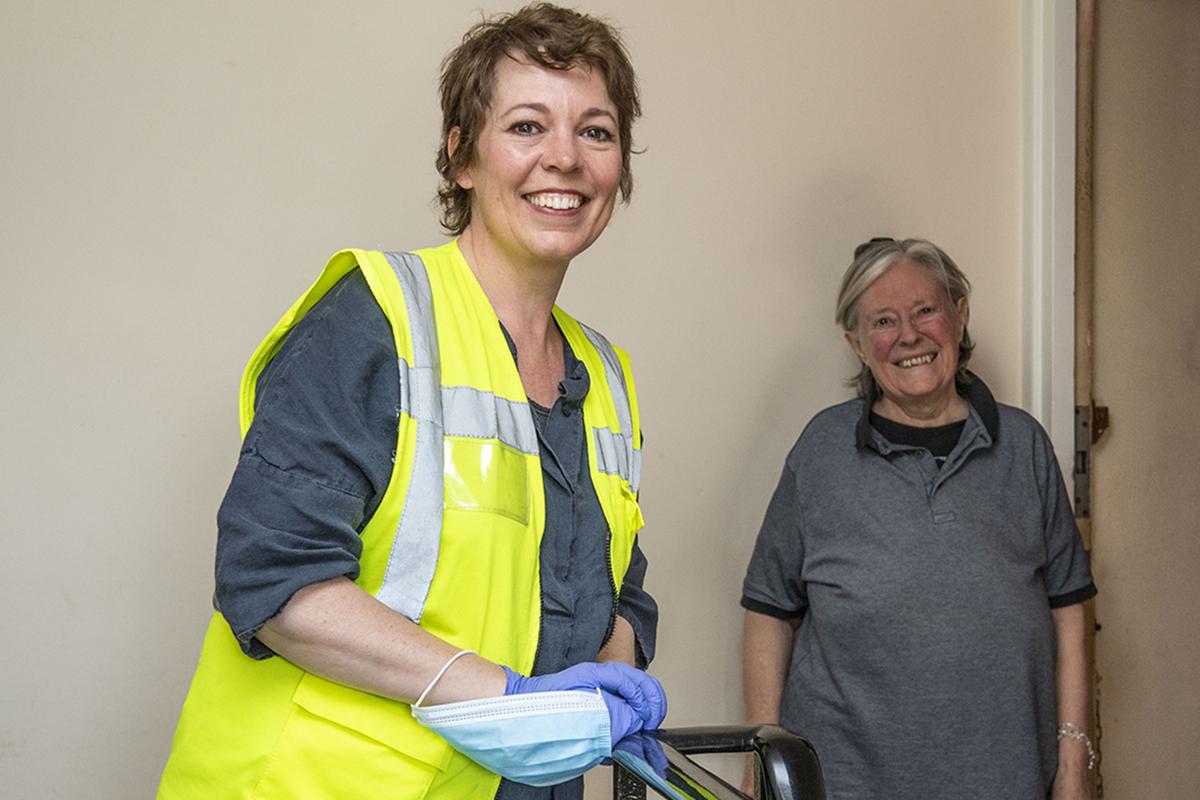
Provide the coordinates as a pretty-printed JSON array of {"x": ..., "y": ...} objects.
[
  {"x": 414, "y": 554},
  {"x": 615, "y": 451},
  {"x": 438, "y": 411},
  {"x": 482, "y": 415}
]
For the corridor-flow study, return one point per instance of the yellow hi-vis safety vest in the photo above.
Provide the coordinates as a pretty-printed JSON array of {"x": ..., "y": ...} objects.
[{"x": 453, "y": 546}]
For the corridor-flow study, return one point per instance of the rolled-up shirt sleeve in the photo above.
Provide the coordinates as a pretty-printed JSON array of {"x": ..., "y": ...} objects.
[
  {"x": 773, "y": 585},
  {"x": 1068, "y": 574},
  {"x": 313, "y": 465},
  {"x": 639, "y": 609}
]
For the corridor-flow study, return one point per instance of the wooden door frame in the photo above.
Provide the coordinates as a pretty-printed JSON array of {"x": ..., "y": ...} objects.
[{"x": 1056, "y": 247}]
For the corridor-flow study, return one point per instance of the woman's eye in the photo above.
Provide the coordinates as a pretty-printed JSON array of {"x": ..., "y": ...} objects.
[
  {"x": 928, "y": 310},
  {"x": 882, "y": 322},
  {"x": 524, "y": 128},
  {"x": 598, "y": 134}
]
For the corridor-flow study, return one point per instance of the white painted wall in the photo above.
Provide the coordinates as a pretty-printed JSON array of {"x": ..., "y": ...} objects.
[{"x": 176, "y": 173}]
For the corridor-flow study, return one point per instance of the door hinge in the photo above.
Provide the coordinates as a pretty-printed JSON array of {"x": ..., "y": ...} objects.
[{"x": 1090, "y": 424}]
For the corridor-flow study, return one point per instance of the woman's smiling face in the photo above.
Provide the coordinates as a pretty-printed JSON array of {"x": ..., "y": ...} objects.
[
  {"x": 908, "y": 335},
  {"x": 547, "y": 163}
]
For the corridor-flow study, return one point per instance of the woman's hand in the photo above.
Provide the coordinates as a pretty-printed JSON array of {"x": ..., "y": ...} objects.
[
  {"x": 635, "y": 700},
  {"x": 1072, "y": 784},
  {"x": 747, "y": 786}
]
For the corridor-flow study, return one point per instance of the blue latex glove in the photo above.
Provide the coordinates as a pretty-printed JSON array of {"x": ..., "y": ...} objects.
[
  {"x": 635, "y": 700},
  {"x": 623, "y": 721},
  {"x": 645, "y": 747}
]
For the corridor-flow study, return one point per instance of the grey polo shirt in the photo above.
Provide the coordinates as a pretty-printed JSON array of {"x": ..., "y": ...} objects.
[{"x": 924, "y": 664}]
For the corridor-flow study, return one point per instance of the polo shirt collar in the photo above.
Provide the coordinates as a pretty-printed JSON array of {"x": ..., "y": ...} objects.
[{"x": 970, "y": 388}]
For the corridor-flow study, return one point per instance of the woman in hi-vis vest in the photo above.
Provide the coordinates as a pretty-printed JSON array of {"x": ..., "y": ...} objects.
[{"x": 428, "y": 582}]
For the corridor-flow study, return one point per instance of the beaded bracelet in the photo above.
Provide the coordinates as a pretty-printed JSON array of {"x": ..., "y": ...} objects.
[{"x": 1077, "y": 734}]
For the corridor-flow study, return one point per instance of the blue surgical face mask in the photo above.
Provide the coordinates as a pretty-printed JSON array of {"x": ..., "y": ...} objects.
[{"x": 538, "y": 738}]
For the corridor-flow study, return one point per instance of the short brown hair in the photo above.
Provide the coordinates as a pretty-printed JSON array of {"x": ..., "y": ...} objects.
[{"x": 550, "y": 36}]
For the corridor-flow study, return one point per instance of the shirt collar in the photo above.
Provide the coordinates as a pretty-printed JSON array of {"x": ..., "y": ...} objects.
[
  {"x": 969, "y": 387},
  {"x": 575, "y": 384}
]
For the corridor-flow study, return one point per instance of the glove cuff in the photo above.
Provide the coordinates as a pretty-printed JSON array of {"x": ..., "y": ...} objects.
[{"x": 513, "y": 681}]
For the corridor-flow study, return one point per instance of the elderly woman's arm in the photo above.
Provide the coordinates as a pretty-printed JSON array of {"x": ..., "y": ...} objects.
[
  {"x": 1071, "y": 680},
  {"x": 766, "y": 655}
]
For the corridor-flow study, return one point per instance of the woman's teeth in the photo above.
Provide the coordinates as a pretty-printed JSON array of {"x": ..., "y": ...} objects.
[
  {"x": 558, "y": 202},
  {"x": 914, "y": 362}
]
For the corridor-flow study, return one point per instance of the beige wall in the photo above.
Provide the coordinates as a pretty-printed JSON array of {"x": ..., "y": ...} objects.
[
  {"x": 1146, "y": 549},
  {"x": 176, "y": 173}
]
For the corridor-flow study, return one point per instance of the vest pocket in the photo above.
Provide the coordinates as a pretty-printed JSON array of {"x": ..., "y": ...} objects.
[
  {"x": 486, "y": 475},
  {"x": 342, "y": 743},
  {"x": 385, "y": 721},
  {"x": 624, "y": 517},
  {"x": 633, "y": 510}
]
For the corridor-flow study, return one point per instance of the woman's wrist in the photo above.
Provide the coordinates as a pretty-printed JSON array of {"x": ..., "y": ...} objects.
[
  {"x": 1075, "y": 747},
  {"x": 465, "y": 676}
]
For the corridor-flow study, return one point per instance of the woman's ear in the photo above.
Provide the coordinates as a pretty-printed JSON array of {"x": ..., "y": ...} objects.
[
  {"x": 852, "y": 340},
  {"x": 964, "y": 314},
  {"x": 462, "y": 177}
]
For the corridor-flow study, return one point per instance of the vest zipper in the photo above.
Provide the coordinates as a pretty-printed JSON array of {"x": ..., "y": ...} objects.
[
  {"x": 537, "y": 646},
  {"x": 612, "y": 581}
]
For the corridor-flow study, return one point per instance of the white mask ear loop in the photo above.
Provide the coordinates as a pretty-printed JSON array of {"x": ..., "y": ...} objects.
[{"x": 442, "y": 672}]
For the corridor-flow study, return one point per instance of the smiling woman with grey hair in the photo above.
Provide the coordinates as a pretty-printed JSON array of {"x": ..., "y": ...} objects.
[
  {"x": 871, "y": 260},
  {"x": 914, "y": 601}
]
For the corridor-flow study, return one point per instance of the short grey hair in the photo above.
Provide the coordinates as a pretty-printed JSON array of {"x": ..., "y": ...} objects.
[{"x": 871, "y": 261}]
